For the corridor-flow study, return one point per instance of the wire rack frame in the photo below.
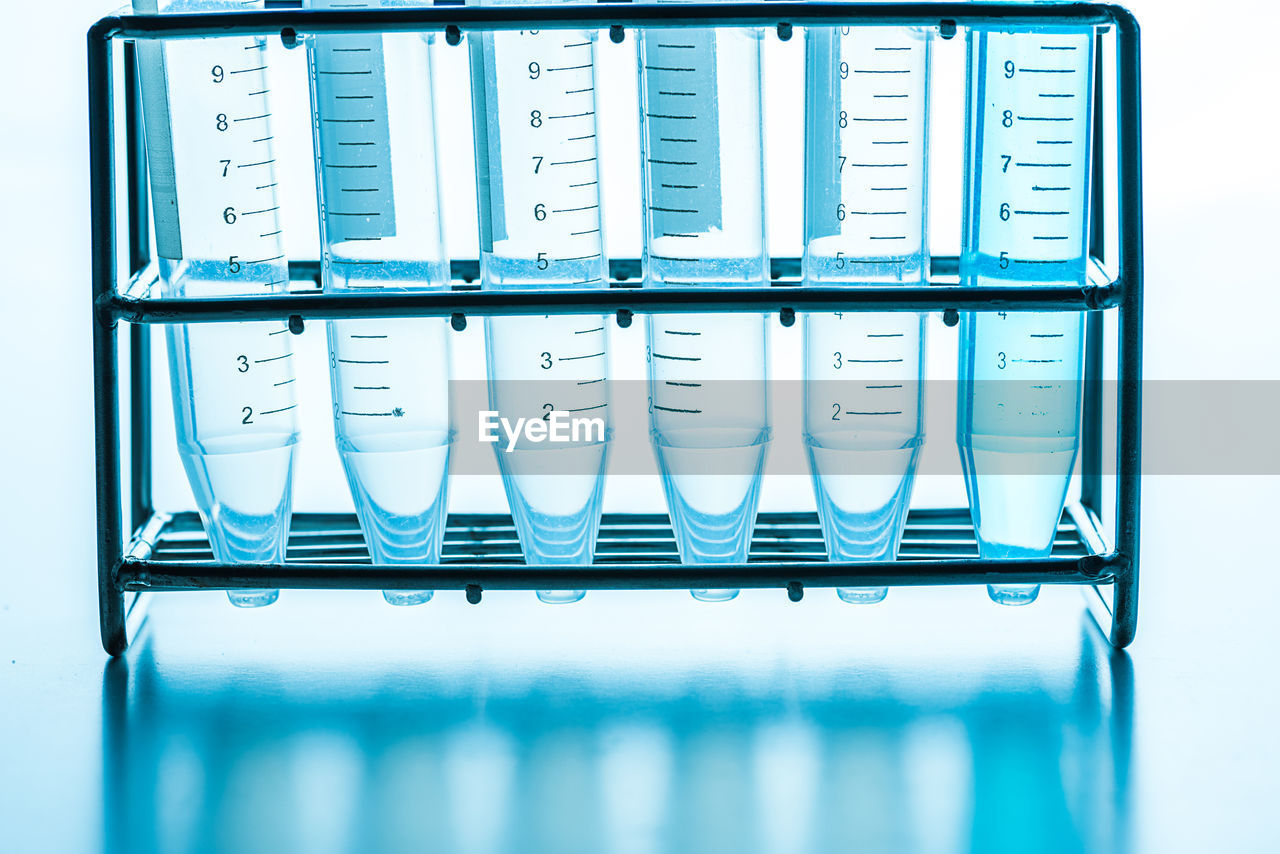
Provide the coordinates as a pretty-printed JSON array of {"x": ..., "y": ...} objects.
[{"x": 166, "y": 551}]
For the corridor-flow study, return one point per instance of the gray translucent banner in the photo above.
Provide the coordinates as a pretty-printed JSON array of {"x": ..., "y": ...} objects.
[{"x": 1197, "y": 428}]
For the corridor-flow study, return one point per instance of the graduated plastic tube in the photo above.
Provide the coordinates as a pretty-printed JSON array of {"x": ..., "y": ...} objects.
[
  {"x": 866, "y": 134},
  {"x": 374, "y": 126},
  {"x": 1026, "y": 217},
  {"x": 534, "y": 105},
  {"x": 703, "y": 185},
  {"x": 207, "y": 118}
]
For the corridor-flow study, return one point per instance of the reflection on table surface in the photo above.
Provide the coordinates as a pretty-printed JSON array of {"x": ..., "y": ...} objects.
[{"x": 322, "y": 748}]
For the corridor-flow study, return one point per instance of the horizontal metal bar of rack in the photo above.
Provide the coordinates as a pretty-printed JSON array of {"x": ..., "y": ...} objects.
[
  {"x": 624, "y": 298},
  {"x": 481, "y": 552},
  {"x": 168, "y": 552}
]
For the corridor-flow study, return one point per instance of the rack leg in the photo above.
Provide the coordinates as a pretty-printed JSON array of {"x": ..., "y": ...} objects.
[
  {"x": 1124, "y": 610},
  {"x": 1115, "y": 610},
  {"x": 111, "y": 618}
]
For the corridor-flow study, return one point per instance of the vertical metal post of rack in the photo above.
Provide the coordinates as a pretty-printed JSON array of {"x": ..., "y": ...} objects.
[
  {"x": 1114, "y": 564},
  {"x": 1123, "y": 608},
  {"x": 106, "y": 378},
  {"x": 140, "y": 505}
]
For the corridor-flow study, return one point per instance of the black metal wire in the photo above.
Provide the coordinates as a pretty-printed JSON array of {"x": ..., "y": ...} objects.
[
  {"x": 482, "y": 552},
  {"x": 685, "y": 299},
  {"x": 945, "y": 16}
]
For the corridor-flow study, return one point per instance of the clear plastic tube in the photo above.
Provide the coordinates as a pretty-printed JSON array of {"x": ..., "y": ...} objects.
[
  {"x": 866, "y": 133},
  {"x": 534, "y": 105},
  {"x": 374, "y": 125},
  {"x": 703, "y": 185},
  {"x": 1026, "y": 222},
  {"x": 207, "y": 118}
]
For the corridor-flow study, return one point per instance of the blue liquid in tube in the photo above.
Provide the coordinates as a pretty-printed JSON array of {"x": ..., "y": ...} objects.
[
  {"x": 866, "y": 183},
  {"x": 534, "y": 106},
  {"x": 1026, "y": 222},
  {"x": 374, "y": 125},
  {"x": 703, "y": 185},
  {"x": 207, "y": 120}
]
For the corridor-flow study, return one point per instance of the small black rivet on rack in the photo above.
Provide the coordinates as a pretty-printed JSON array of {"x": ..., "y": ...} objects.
[
  {"x": 951, "y": 317},
  {"x": 784, "y": 31},
  {"x": 617, "y": 34},
  {"x": 947, "y": 28},
  {"x": 458, "y": 321},
  {"x": 795, "y": 591},
  {"x": 452, "y": 35},
  {"x": 787, "y": 316},
  {"x": 473, "y": 594},
  {"x": 624, "y": 318},
  {"x": 295, "y": 324},
  {"x": 289, "y": 36}
]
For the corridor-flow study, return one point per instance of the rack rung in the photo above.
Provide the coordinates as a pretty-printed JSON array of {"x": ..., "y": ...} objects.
[{"x": 624, "y": 540}]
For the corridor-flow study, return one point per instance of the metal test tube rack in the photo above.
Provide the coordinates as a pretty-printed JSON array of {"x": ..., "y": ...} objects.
[{"x": 154, "y": 553}]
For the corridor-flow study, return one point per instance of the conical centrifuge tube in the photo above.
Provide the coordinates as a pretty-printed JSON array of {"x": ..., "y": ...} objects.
[
  {"x": 207, "y": 117},
  {"x": 703, "y": 185},
  {"x": 371, "y": 94},
  {"x": 534, "y": 105},
  {"x": 1026, "y": 222},
  {"x": 866, "y": 122}
]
